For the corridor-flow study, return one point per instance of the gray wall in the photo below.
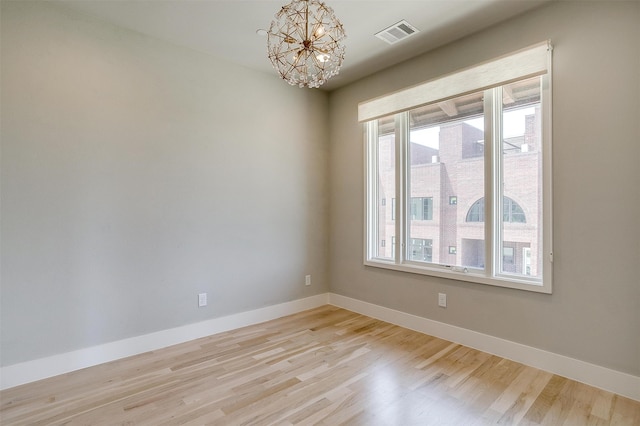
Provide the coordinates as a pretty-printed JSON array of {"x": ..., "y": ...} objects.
[
  {"x": 136, "y": 174},
  {"x": 593, "y": 313}
]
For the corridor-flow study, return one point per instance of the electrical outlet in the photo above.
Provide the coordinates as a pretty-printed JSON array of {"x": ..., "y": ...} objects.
[
  {"x": 202, "y": 300},
  {"x": 442, "y": 300},
  {"x": 307, "y": 280}
]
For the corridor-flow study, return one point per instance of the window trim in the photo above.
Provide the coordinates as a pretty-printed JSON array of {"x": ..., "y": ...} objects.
[
  {"x": 525, "y": 63},
  {"x": 491, "y": 275}
]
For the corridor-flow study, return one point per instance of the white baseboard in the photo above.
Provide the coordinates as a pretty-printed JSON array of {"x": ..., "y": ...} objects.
[
  {"x": 604, "y": 378},
  {"x": 30, "y": 371}
]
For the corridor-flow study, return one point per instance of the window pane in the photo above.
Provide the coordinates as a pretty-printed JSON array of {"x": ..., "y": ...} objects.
[
  {"x": 522, "y": 176},
  {"x": 421, "y": 208},
  {"x": 446, "y": 161},
  {"x": 421, "y": 249},
  {"x": 386, "y": 187}
]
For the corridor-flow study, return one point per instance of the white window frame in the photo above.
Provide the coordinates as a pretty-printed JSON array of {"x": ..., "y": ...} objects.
[{"x": 490, "y": 77}]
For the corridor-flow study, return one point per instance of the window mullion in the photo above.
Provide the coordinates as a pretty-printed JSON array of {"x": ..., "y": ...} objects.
[
  {"x": 491, "y": 145},
  {"x": 498, "y": 181},
  {"x": 372, "y": 189},
  {"x": 402, "y": 185}
]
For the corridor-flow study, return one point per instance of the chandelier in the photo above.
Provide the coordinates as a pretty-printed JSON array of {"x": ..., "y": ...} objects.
[{"x": 304, "y": 43}]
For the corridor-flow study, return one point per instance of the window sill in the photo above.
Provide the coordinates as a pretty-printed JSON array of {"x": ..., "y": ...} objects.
[{"x": 469, "y": 276}]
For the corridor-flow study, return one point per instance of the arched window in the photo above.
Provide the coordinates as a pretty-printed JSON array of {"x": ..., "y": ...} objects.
[
  {"x": 511, "y": 211},
  {"x": 476, "y": 212}
]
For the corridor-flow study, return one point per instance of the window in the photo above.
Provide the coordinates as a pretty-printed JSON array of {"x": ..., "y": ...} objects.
[
  {"x": 507, "y": 255},
  {"x": 422, "y": 208},
  {"x": 476, "y": 212},
  {"x": 385, "y": 147},
  {"x": 511, "y": 211},
  {"x": 454, "y": 158},
  {"x": 421, "y": 250}
]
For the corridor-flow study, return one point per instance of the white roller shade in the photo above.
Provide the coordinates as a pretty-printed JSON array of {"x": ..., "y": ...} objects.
[{"x": 529, "y": 62}]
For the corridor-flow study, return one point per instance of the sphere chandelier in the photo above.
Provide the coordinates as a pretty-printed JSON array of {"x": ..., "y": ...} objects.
[{"x": 304, "y": 43}]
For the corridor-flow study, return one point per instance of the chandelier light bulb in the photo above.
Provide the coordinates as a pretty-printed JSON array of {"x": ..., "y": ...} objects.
[
  {"x": 323, "y": 57},
  {"x": 305, "y": 43}
]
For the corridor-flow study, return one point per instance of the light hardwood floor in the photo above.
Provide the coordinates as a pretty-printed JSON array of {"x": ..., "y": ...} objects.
[{"x": 324, "y": 366}]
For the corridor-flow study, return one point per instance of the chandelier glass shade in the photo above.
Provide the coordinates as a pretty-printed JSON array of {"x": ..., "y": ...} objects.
[{"x": 305, "y": 43}]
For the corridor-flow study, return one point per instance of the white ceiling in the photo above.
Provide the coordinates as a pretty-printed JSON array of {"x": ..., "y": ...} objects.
[{"x": 227, "y": 29}]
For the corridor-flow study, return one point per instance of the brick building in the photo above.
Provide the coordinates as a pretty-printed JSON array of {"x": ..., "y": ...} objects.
[{"x": 446, "y": 210}]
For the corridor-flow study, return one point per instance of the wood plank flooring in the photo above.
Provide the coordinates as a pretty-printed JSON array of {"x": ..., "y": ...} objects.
[{"x": 326, "y": 366}]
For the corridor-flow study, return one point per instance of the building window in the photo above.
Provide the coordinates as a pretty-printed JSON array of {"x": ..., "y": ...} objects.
[
  {"x": 393, "y": 244},
  {"x": 507, "y": 255},
  {"x": 486, "y": 143},
  {"x": 422, "y": 208},
  {"x": 511, "y": 211},
  {"x": 476, "y": 212},
  {"x": 421, "y": 250},
  {"x": 393, "y": 209}
]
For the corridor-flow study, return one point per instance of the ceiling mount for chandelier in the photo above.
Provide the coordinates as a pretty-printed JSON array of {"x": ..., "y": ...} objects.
[{"x": 304, "y": 43}]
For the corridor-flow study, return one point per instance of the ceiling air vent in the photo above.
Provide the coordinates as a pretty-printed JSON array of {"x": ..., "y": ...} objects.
[{"x": 396, "y": 32}]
